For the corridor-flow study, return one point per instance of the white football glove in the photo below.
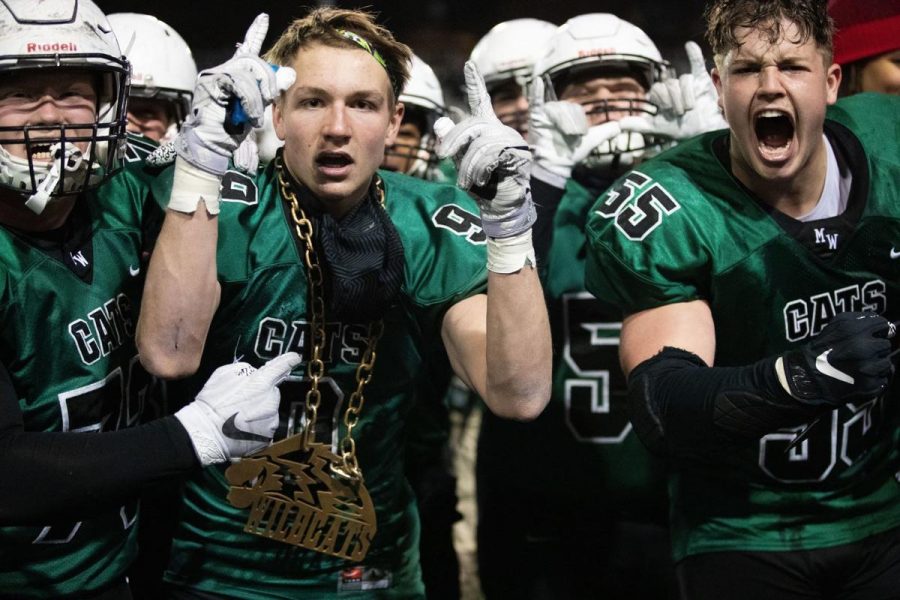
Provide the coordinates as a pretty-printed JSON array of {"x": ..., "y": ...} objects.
[
  {"x": 688, "y": 105},
  {"x": 236, "y": 412},
  {"x": 493, "y": 162},
  {"x": 561, "y": 137},
  {"x": 206, "y": 141},
  {"x": 246, "y": 157},
  {"x": 246, "y": 84}
]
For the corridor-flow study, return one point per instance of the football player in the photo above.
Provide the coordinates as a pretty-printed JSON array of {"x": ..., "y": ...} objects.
[
  {"x": 369, "y": 275},
  {"x": 423, "y": 104},
  {"x": 594, "y": 523},
  {"x": 163, "y": 74},
  {"x": 756, "y": 271},
  {"x": 505, "y": 57},
  {"x": 72, "y": 232}
]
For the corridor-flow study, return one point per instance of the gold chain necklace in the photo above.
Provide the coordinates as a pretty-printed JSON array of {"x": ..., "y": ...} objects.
[
  {"x": 341, "y": 520},
  {"x": 315, "y": 367}
]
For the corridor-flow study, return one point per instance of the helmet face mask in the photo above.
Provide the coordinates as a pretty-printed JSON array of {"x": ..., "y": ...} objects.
[
  {"x": 71, "y": 39},
  {"x": 423, "y": 100},
  {"x": 413, "y": 152}
]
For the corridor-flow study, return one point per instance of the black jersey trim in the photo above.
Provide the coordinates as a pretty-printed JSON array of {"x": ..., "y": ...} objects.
[{"x": 850, "y": 156}]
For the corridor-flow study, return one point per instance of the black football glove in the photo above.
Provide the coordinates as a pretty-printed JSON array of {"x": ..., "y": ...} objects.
[{"x": 848, "y": 361}]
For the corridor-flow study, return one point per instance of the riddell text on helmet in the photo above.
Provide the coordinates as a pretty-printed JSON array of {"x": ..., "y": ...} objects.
[{"x": 51, "y": 47}]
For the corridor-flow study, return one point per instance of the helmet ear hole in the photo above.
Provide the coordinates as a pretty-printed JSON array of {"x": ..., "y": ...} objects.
[{"x": 64, "y": 36}]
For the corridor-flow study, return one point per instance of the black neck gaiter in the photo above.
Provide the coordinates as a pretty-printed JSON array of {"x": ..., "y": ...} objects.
[{"x": 361, "y": 256}]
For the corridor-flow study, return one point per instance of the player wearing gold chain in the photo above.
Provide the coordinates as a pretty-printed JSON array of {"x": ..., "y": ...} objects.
[{"x": 369, "y": 276}]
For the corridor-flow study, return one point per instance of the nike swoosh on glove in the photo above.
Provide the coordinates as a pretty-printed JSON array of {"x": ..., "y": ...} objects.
[
  {"x": 236, "y": 412},
  {"x": 848, "y": 361}
]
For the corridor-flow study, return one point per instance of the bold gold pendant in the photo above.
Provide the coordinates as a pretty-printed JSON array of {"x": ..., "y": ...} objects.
[{"x": 294, "y": 497}]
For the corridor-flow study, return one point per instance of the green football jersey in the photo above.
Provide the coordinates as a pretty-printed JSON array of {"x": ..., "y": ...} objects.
[
  {"x": 68, "y": 342},
  {"x": 447, "y": 172},
  {"x": 263, "y": 313},
  {"x": 587, "y": 455},
  {"x": 681, "y": 228},
  {"x": 428, "y": 424}
]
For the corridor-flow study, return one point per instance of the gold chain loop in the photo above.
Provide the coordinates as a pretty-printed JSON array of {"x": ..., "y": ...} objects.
[{"x": 316, "y": 366}]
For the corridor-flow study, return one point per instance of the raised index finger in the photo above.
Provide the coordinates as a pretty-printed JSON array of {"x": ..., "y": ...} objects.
[
  {"x": 479, "y": 100},
  {"x": 255, "y": 36},
  {"x": 695, "y": 58},
  {"x": 274, "y": 371}
]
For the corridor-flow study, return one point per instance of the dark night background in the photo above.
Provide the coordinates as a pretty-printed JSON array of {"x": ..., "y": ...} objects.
[{"x": 442, "y": 32}]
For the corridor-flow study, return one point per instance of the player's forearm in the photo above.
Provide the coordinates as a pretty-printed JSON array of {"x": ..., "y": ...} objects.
[
  {"x": 71, "y": 476},
  {"x": 682, "y": 408},
  {"x": 180, "y": 295},
  {"x": 518, "y": 347}
]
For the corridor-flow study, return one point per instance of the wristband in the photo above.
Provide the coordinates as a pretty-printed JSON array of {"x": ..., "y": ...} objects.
[
  {"x": 191, "y": 185},
  {"x": 510, "y": 254}
]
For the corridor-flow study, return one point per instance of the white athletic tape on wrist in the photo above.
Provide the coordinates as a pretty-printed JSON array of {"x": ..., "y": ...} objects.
[
  {"x": 510, "y": 254},
  {"x": 191, "y": 185}
]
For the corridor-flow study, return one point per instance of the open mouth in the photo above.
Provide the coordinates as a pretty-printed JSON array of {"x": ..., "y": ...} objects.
[
  {"x": 333, "y": 160},
  {"x": 775, "y": 131},
  {"x": 40, "y": 152}
]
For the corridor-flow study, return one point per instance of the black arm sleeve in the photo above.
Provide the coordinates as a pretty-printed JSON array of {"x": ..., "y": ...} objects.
[
  {"x": 70, "y": 476},
  {"x": 680, "y": 407},
  {"x": 546, "y": 201}
]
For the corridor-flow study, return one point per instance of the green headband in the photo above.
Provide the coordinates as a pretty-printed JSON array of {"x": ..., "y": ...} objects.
[{"x": 365, "y": 45}]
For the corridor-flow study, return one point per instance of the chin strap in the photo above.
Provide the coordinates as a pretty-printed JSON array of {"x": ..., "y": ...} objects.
[{"x": 70, "y": 160}]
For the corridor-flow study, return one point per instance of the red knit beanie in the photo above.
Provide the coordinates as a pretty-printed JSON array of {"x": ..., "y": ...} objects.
[{"x": 865, "y": 28}]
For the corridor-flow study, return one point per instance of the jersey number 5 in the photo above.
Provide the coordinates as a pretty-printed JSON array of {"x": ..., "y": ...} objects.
[
  {"x": 835, "y": 443},
  {"x": 595, "y": 396},
  {"x": 637, "y": 208}
]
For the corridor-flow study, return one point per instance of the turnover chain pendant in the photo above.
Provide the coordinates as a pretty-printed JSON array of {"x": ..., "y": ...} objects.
[{"x": 294, "y": 497}]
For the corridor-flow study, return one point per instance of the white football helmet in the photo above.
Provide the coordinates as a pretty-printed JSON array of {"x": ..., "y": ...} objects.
[
  {"x": 604, "y": 44},
  {"x": 423, "y": 102},
  {"x": 508, "y": 52},
  {"x": 162, "y": 66},
  {"x": 62, "y": 35}
]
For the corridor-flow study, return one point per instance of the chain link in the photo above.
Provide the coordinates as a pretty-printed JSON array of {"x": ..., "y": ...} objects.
[{"x": 349, "y": 468}]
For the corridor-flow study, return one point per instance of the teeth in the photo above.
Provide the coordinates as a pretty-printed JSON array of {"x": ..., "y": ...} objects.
[{"x": 772, "y": 114}]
